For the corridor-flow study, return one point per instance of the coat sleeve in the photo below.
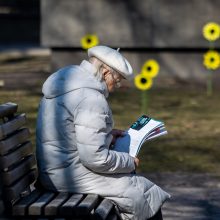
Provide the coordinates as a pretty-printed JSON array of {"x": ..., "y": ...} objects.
[{"x": 93, "y": 139}]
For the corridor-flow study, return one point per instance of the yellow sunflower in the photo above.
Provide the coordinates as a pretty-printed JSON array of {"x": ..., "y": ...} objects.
[
  {"x": 211, "y": 31},
  {"x": 143, "y": 82},
  {"x": 211, "y": 60},
  {"x": 150, "y": 68},
  {"x": 89, "y": 40}
]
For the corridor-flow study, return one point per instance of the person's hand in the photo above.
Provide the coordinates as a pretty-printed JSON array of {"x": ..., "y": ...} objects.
[
  {"x": 136, "y": 162},
  {"x": 116, "y": 133}
]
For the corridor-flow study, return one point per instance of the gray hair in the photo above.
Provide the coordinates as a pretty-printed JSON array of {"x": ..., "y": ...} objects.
[{"x": 99, "y": 65}]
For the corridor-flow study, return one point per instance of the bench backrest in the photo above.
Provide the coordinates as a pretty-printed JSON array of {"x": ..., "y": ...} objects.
[{"x": 17, "y": 161}]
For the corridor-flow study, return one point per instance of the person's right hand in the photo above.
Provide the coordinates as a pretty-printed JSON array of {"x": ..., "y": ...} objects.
[
  {"x": 136, "y": 161},
  {"x": 115, "y": 134}
]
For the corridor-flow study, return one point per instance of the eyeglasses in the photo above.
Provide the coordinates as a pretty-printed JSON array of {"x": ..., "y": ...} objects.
[
  {"x": 117, "y": 80},
  {"x": 116, "y": 77}
]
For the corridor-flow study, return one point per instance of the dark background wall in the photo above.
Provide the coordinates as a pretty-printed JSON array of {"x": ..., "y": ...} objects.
[
  {"x": 169, "y": 31},
  {"x": 19, "y": 22},
  {"x": 128, "y": 23}
]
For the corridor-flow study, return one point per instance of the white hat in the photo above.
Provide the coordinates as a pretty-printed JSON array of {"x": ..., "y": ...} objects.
[{"x": 113, "y": 59}]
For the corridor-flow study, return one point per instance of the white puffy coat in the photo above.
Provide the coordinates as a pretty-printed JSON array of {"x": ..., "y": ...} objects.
[{"x": 73, "y": 145}]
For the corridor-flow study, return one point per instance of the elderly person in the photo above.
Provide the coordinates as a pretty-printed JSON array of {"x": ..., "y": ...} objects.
[{"x": 75, "y": 135}]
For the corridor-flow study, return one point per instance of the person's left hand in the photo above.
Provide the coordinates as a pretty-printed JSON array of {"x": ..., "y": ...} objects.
[{"x": 116, "y": 133}]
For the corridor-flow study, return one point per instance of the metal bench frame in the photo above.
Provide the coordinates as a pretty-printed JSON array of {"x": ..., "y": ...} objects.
[{"x": 18, "y": 173}]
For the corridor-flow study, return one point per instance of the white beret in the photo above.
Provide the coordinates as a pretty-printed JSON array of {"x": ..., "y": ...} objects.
[{"x": 113, "y": 59}]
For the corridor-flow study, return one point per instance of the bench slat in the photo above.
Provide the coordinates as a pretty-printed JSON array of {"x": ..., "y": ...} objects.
[
  {"x": 12, "y": 125},
  {"x": 15, "y": 156},
  {"x": 20, "y": 208},
  {"x": 10, "y": 176},
  {"x": 11, "y": 142},
  {"x": 68, "y": 208},
  {"x": 87, "y": 205},
  {"x": 36, "y": 208},
  {"x": 103, "y": 209},
  {"x": 53, "y": 206},
  {"x": 8, "y": 109},
  {"x": 13, "y": 192}
]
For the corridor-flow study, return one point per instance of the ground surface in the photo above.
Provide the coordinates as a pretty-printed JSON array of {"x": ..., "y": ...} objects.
[
  {"x": 194, "y": 196},
  {"x": 185, "y": 162}
]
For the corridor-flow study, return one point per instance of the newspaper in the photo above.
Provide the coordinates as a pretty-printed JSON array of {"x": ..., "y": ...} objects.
[{"x": 145, "y": 128}]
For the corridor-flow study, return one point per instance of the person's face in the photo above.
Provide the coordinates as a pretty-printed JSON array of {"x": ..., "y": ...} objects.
[{"x": 112, "y": 79}]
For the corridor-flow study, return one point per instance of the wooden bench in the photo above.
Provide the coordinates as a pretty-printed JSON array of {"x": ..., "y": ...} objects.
[{"x": 19, "y": 172}]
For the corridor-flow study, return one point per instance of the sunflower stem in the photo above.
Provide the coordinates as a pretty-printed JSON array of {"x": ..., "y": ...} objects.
[
  {"x": 209, "y": 87},
  {"x": 144, "y": 102},
  {"x": 211, "y": 45}
]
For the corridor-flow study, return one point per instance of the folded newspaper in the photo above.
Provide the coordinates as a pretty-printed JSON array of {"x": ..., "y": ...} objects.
[{"x": 145, "y": 128}]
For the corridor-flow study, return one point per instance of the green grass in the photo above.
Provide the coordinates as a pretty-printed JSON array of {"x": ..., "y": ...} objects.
[{"x": 192, "y": 120}]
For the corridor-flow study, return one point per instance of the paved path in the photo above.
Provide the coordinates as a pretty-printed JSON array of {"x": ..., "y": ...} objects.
[
  {"x": 193, "y": 203},
  {"x": 194, "y": 196}
]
